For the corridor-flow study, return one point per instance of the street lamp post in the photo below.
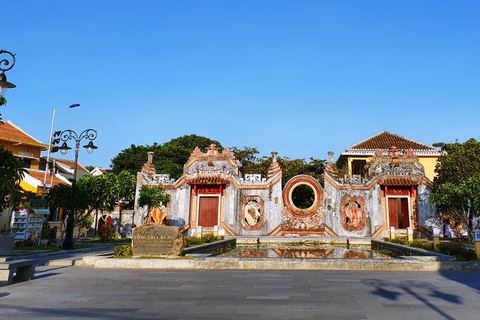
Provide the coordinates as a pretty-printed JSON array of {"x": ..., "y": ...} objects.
[
  {"x": 4, "y": 84},
  {"x": 50, "y": 147},
  {"x": 66, "y": 135}
]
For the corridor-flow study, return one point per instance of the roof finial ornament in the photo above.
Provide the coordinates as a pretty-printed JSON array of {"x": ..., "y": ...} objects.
[
  {"x": 274, "y": 156},
  {"x": 330, "y": 156},
  {"x": 150, "y": 156}
]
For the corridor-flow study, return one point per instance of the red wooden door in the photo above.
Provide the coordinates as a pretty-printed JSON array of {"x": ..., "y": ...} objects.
[
  {"x": 208, "y": 211},
  {"x": 393, "y": 212}
]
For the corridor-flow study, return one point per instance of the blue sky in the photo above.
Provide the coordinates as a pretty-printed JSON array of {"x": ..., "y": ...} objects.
[{"x": 298, "y": 77}]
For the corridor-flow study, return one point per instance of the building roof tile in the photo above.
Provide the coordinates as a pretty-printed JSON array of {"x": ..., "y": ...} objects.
[
  {"x": 13, "y": 133},
  {"x": 384, "y": 140}
]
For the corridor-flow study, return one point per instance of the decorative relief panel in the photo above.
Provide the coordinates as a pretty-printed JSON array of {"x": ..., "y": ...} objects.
[
  {"x": 353, "y": 213},
  {"x": 253, "y": 178},
  {"x": 252, "y": 213},
  {"x": 310, "y": 218}
]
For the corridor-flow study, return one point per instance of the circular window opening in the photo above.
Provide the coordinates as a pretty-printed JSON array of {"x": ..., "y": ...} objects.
[{"x": 303, "y": 196}]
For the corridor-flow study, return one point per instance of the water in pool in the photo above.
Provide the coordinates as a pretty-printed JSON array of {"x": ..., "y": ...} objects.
[{"x": 306, "y": 252}]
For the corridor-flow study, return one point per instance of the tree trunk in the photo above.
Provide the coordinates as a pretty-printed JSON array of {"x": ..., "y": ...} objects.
[
  {"x": 470, "y": 226},
  {"x": 119, "y": 227}
]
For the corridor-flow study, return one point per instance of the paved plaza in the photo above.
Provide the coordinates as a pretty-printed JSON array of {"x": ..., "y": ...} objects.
[{"x": 80, "y": 292}]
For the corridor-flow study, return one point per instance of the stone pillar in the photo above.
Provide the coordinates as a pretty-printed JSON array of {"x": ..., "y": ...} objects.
[
  {"x": 436, "y": 238},
  {"x": 410, "y": 234},
  {"x": 215, "y": 231},
  {"x": 199, "y": 231},
  {"x": 476, "y": 240},
  {"x": 392, "y": 233}
]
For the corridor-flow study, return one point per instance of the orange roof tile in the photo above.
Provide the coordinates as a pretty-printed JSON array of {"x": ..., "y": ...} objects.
[
  {"x": 384, "y": 140},
  {"x": 40, "y": 175},
  {"x": 71, "y": 164},
  {"x": 399, "y": 181},
  {"x": 12, "y": 133}
]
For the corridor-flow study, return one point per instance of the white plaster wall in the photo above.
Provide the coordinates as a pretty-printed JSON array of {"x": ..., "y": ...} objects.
[
  {"x": 180, "y": 205},
  {"x": 139, "y": 212},
  {"x": 427, "y": 212}
]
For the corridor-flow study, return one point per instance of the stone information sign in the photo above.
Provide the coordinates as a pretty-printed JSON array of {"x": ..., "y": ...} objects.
[{"x": 156, "y": 240}]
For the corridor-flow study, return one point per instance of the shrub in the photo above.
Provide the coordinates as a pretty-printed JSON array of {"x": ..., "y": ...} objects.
[
  {"x": 124, "y": 251},
  {"x": 421, "y": 244},
  {"x": 194, "y": 241},
  {"x": 106, "y": 233},
  {"x": 458, "y": 250},
  {"x": 400, "y": 241}
]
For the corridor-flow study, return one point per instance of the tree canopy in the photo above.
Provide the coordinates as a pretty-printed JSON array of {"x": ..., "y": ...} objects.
[
  {"x": 101, "y": 192},
  {"x": 456, "y": 186},
  {"x": 11, "y": 173},
  {"x": 168, "y": 158},
  {"x": 251, "y": 164},
  {"x": 153, "y": 197}
]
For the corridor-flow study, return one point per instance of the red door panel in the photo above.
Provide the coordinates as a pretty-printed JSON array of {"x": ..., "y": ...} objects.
[
  {"x": 208, "y": 212},
  {"x": 405, "y": 218},
  {"x": 393, "y": 212}
]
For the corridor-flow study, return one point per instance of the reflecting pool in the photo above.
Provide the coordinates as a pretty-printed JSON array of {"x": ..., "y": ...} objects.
[{"x": 306, "y": 252}]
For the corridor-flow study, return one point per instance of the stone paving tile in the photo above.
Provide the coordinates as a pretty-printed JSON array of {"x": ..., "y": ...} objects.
[{"x": 84, "y": 292}]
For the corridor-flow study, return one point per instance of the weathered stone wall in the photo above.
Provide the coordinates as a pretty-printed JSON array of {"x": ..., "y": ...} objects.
[
  {"x": 271, "y": 200},
  {"x": 427, "y": 215},
  {"x": 179, "y": 207},
  {"x": 334, "y": 218}
]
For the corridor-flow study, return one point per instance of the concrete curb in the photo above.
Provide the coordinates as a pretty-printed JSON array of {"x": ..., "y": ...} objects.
[{"x": 282, "y": 264}]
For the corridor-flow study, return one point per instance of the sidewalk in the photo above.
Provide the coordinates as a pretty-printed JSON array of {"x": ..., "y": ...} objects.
[{"x": 65, "y": 257}]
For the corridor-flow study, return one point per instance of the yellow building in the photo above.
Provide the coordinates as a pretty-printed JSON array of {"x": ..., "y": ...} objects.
[
  {"x": 28, "y": 150},
  {"x": 354, "y": 159}
]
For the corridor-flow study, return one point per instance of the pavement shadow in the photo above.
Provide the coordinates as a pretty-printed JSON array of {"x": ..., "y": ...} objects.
[
  {"x": 94, "y": 313},
  {"x": 4, "y": 294},
  {"x": 51, "y": 269},
  {"x": 420, "y": 290},
  {"x": 470, "y": 279},
  {"x": 46, "y": 275}
]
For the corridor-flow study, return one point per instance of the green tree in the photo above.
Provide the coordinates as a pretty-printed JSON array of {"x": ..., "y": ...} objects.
[
  {"x": 456, "y": 186},
  {"x": 168, "y": 158},
  {"x": 251, "y": 164},
  {"x": 125, "y": 185},
  {"x": 91, "y": 193},
  {"x": 152, "y": 197},
  {"x": 11, "y": 173},
  {"x": 131, "y": 159}
]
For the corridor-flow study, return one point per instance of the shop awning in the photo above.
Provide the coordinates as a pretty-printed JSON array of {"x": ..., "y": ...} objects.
[{"x": 40, "y": 211}]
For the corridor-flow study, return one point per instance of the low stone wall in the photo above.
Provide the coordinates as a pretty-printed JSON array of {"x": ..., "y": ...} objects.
[
  {"x": 210, "y": 246},
  {"x": 409, "y": 251},
  {"x": 286, "y": 264}
]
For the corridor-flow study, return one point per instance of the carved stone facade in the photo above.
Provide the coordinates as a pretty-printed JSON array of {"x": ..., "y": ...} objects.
[{"x": 212, "y": 194}]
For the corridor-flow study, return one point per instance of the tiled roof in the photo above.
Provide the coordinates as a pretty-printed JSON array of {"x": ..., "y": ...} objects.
[
  {"x": 12, "y": 133},
  {"x": 71, "y": 164},
  {"x": 40, "y": 175},
  {"x": 384, "y": 140},
  {"x": 399, "y": 181}
]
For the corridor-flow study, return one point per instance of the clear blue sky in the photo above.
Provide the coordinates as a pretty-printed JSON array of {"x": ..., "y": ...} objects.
[{"x": 298, "y": 77}]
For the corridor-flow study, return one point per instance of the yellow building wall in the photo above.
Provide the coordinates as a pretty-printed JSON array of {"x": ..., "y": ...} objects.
[
  {"x": 28, "y": 187},
  {"x": 429, "y": 164},
  {"x": 16, "y": 149}
]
